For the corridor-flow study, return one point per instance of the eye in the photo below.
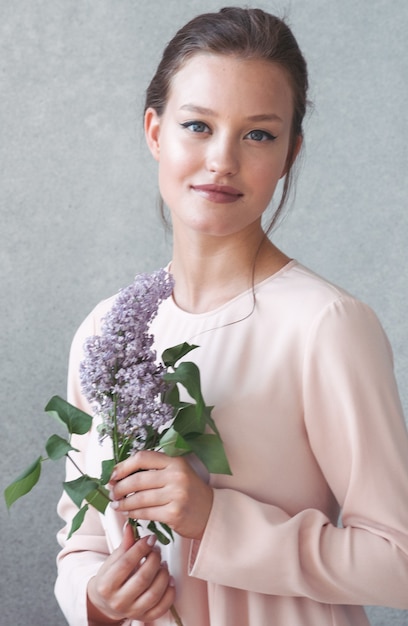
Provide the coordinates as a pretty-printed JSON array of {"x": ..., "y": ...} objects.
[
  {"x": 196, "y": 127},
  {"x": 260, "y": 135}
]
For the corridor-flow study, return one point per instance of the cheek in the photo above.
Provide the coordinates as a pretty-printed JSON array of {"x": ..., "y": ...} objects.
[
  {"x": 177, "y": 161},
  {"x": 266, "y": 177},
  {"x": 174, "y": 174}
]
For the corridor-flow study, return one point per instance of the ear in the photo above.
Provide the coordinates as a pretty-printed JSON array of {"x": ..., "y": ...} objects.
[
  {"x": 290, "y": 160},
  {"x": 152, "y": 132}
]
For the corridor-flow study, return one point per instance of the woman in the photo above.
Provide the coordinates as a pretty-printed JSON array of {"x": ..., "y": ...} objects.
[{"x": 300, "y": 374}]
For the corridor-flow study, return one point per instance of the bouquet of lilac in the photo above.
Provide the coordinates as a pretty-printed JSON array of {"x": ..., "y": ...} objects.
[
  {"x": 120, "y": 375},
  {"x": 136, "y": 400}
]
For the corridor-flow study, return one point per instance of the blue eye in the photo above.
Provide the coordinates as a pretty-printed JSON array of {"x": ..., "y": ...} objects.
[
  {"x": 260, "y": 135},
  {"x": 196, "y": 127}
]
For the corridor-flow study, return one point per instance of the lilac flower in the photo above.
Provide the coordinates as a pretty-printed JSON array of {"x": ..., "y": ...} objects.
[{"x": 120, "y": 375}]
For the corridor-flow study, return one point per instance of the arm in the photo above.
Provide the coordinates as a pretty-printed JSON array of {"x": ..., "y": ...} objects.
[
  {"x": 80, "y": 557},
  {"x": 355, "y": 428},
  {"x": 94, "y": 586}
]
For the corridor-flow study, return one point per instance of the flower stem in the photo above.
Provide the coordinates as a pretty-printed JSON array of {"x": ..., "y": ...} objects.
[
  {"x": 175, "y": 615},
  {"x": 76, "y": 465},
  {"x": 133, "y": 524},
  {"x": 173, "y": 610},
  {"x": 115, "y": 430},
  {"x": 98, "y": 489}
]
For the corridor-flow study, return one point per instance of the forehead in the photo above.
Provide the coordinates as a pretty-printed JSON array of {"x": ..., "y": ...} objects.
[{"x": 221, "y": 79}]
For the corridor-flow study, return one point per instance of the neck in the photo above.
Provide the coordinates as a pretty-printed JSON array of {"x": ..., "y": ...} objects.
[{"x": 210, "y": 272}]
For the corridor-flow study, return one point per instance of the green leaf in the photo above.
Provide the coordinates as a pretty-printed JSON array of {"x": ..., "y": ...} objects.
[
  {"x": 174, "y": 354},
  {"x": 80, "y": 488},
  {"x": 107, "y": 469},
  {"x": 151, "y": 439},
  {"x": 210, "y": 451},
  {"x": 57, "y": 447},
  {"x": 188, "y": 375},
  {"x": 189, "y": 421},
  {"x": 160, "y": 536},
  {"x": 124, "y": 450},
  {"x": 167, "y": 529},
  {"x": 74, "y": 419},
  {"x": 99, "y": 499},
  {"x": 173, "y": 444},
  {"x": 209, "y": 420},
  {"x": 77, "y": 520},
  {"x": 172, "y": 396},
  {"x": 24, "y": 483}
]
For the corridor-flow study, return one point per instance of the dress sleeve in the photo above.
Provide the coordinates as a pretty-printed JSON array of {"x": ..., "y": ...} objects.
[
  {"x": 82, "y": 554},
  {"x": 356, "y": 430}
]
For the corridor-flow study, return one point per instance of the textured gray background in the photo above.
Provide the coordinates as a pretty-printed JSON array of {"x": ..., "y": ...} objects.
[{"x": 79, "y": 219}]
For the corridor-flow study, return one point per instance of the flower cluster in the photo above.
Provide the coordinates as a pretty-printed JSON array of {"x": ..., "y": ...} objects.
[
  {"x": 138, "y": 401},
  {"x": 120, "y": 375}
]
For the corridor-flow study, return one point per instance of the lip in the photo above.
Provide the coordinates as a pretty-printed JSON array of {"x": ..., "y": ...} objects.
[{"x": 220, "y": 194}]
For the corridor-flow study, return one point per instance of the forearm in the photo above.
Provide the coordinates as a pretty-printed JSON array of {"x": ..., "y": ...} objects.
[{"x": 304, "y": 555}]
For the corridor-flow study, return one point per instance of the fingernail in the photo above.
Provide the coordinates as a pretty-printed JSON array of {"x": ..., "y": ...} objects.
[
  {"x": 113, "y": 475},
  {"x": 172, "y": 582},
  {"x": 151, "y": 540},
  {"x": 165, "y": 564},
  {"x": 114, "y": 504}
]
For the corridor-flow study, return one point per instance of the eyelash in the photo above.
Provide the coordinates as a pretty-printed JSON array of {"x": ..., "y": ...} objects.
[
  {"x": 204, "y": 128},
  {"x": 189, "y": 126},
  {"x": 267, "y": 136}
]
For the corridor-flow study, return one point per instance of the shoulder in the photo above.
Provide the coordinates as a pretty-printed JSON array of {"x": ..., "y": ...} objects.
[
  {"x": 335, "y": 320},
  {"x": 330, "y": 300},
  {"x": 303, "y": 294},
  {"x": 303, "y": 284},
  {"x": 91, "y": 325},
  {"x": 310, "y": 305}
]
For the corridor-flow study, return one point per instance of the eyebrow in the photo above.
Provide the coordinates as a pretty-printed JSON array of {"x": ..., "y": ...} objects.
[{"x": 262, "y": 117}]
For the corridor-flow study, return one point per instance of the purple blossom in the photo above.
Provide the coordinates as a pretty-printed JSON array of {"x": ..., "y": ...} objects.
[{"x": 120, "y": 374}]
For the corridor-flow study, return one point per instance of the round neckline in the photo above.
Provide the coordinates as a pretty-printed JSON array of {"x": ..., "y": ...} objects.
[{"x": 288, "y": 266}]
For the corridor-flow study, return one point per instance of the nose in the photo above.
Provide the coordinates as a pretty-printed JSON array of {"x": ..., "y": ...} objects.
[{"x": 223, "y": 156}]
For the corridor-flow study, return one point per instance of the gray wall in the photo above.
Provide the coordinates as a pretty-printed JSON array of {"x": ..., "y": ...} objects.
[{"x": 78, "y": 206}]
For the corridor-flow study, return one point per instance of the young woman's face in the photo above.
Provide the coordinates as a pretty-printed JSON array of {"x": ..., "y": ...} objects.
[{"x": 222, "y": 142}]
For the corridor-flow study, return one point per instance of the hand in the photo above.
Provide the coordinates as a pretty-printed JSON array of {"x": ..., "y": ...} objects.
[
  {"x": 131, "y": 583},
  {"x": 170, "y": 492}
]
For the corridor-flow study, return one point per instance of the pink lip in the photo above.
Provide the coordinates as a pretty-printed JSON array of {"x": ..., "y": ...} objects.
[{"x": 218, "y": 193}]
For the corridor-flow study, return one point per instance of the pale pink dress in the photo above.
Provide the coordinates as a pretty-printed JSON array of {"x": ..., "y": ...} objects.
[{"x": 307, "y": 405}]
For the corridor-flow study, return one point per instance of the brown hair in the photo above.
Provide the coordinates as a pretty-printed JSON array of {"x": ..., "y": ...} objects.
[{"x": 246, "y": 33}]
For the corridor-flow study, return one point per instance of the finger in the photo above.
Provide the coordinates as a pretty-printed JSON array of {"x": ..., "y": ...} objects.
[
  {"x": 127, "y": 541},
  {"x": 139, "y": 583},
  {"x": 157, "y": 597},
  {"x": 126, "y": 559},
  {"x": 137, "y": 482},
  {"x": 151, "y": 502},
  {"x": 162, "y": 607},
  {"x": 119, "y": 596},
  {"x": 145, "y": 459},
  {"x": 175, "y": 472},
  {"x": 149, "y": 482}
]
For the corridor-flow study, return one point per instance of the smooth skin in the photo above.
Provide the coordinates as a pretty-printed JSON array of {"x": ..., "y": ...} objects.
[
  {"x": 132, "y": 582},
  {"x": 227, "y": 123},
  {"x": 222, "y": 146},
  {"x": 172, "y": 493}
]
